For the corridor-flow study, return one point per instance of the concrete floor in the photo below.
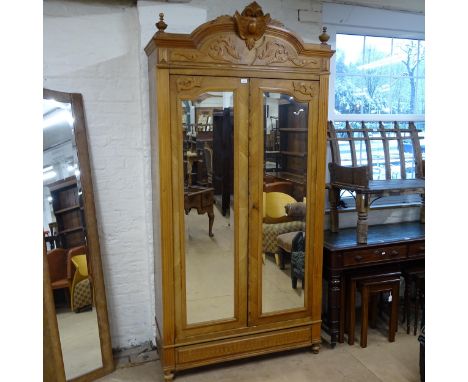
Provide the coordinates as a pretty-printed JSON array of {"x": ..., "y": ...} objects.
[{"x": 381, "y": 361}]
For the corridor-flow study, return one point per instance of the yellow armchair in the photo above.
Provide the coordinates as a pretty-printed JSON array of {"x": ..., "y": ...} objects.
[{"x": 81, "y": 294}]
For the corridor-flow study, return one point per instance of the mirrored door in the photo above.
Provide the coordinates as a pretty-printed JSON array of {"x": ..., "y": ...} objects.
[
  {"x": 283, "y": 137},
  {"x": 210, "y": 170}
]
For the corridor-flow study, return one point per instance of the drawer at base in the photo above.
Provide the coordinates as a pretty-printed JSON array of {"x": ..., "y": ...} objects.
[
  {"x": 416, "y": 249},
  {"x": 373, "y": 255}
]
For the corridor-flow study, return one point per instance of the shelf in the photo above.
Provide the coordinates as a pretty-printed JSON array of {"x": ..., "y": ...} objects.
[
  {"x": 68, "y": 209},
  {"x": 294, "y": 130},
  {"x": 294, "y": 153},
  {"x": 66, "y": 231}
]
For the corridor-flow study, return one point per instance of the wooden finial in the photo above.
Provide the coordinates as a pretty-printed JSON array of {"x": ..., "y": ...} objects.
[
  {"x": 161, "y": 25},
  {"x": 324, "y": 37}
]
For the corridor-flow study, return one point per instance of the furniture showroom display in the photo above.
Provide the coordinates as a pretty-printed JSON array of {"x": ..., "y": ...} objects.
[{"x": 239, "y": 103}]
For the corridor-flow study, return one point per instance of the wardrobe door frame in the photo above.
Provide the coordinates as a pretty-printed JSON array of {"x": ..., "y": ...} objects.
[
  {"x": 305, "y": 91},
  {"x": 189, "y": 87}
]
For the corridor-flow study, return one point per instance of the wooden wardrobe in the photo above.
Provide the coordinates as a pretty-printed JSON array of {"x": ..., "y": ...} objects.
[{"x": 219, "y": 295}]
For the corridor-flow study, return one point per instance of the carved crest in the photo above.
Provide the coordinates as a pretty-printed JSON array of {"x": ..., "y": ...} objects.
[
  {"x": 187, "y": 83},
  {"x": 251, "y": 23},
  {"x": 223, "y": 49},
  {"x": 275, "y": 52}
]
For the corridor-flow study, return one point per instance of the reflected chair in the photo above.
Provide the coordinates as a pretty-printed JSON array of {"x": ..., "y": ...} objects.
[
  {"x": 57, "y": 261},
  {"x": 297, "y": 259},
  {"x": 81, "y": 292},
  {"x": 276, "y": 221}
]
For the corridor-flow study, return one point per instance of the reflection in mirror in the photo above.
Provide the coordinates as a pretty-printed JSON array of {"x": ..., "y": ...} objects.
[
  {"x": 284, "y": 202},
  {"x": 65, "y": 236},
  {"x": 208, "y": 159}
]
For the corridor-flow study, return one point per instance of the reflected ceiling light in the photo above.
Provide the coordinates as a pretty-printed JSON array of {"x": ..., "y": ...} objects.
[
  {"x": 49, "y": 198},
  {"x": 48, "y": 168},
  {"x": 298, "y": 112},
  {"x": 58, "y": 118},
  {"x": 77, "y": 172},
  {"x": 49, "y": 175}
]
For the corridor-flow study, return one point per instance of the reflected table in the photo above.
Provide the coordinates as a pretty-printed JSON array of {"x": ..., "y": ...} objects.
[{"x": 202, "y": 199}]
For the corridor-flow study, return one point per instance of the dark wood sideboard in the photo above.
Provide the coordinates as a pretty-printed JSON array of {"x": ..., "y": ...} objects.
[{"x": 388, "y": 245}]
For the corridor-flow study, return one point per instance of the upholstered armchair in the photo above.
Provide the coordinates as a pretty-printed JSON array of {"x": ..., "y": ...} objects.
[{"x": 276, "y": 220}]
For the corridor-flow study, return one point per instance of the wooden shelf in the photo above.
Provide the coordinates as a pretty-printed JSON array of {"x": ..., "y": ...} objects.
[
  {"x": 294, "y": 130},
  {"x": 68, "y": 209},
  {"x": 73, "y": 229},
  {"x": 294, "y": 153}
]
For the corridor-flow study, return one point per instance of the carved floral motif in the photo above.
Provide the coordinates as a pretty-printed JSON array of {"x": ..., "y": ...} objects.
[
  {"x": 251, "y": 23},
  {"x": 187, "y": 83},
  {"x": 275, "y": 52},
  {"x": 305, "y": 88},
  {"x": 223, "y": 49}
]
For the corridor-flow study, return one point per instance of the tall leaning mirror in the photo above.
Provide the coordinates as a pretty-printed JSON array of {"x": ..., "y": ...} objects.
[{"x": 71, "y": 240}]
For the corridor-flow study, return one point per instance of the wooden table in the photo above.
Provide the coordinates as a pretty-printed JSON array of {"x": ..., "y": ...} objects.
[
  {"x": 202, "y": 199},
  {"x": 390, "y": 244}
]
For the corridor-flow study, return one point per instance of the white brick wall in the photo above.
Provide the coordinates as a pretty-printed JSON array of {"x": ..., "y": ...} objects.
[{"x": 97, "y": 50}]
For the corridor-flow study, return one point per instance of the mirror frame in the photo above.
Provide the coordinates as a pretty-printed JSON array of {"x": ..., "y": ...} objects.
[{"x": 92, "y": 238}]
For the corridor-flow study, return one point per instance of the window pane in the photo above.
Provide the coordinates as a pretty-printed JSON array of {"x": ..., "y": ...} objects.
[
  {"x": 403, "y": 96},
  {"x": 377, "y": 56},
  {"x": 422, "y": 59},
  {"x": 420, "y": 96},
  {"x": 349, "y": 53}
]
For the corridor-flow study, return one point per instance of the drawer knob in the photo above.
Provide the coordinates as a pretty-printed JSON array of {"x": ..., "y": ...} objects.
[
  {"x": 394, "y": 252},
  {"x": 358, "y": 258},
  {"x": 379, "y": 252}
]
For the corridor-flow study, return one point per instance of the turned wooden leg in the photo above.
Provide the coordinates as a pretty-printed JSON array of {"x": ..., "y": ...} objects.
[
  {"x": 364, "y": 315},
  {"x": 342, "y": 310},
  {"x": 334, "y": 199},
  {"x": 315, "y": 348},
  {"x": 422, "y": 212},
  {"x": 293, "y": 281},
  {"x": 210, "y": 222},
  {"x": 393, "y": 314},
  {"x": 352, "y": 312},
  {"x": 281, "y": 255},
  {"x": 362, "y": 206},
  {"x": 168, "y": 375},
  {"x": 408, "y": 310},
  {"x": 334, "y": 300},
  {"x": 406, "y": 299},
  {"x": 416, "y": 306}
]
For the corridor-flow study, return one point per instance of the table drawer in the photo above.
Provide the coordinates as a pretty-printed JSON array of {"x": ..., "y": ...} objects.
[
  {"x": 372, "y": 255},
  {"x": 416, "y": 249}
]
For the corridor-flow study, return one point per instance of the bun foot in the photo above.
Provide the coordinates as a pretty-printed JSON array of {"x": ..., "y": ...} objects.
[
  {"x": 315, "y": 348},
  {"x": 168, "y": 376}
]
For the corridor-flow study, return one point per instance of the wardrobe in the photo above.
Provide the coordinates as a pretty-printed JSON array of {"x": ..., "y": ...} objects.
[{"x": 219, "y": 294}]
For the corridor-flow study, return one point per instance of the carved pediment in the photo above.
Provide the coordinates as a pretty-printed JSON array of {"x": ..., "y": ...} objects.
[{"x": 250, "y": 38}]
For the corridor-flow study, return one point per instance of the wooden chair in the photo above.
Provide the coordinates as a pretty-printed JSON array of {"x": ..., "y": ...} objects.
[
  {"x": 414, "y": 295},
  {"x": 368, "y": 285},
  {"x": 57, "y": 260}
]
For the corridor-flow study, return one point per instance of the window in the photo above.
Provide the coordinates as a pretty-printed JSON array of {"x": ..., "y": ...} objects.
[
  {"x": 378, "y": 75},
  {"x": 379, "y": 79}
]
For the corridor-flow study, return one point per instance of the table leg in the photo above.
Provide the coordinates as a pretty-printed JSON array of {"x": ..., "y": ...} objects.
[
  {"x": 334, "y": 300},
  {"x": 211, "y": 220},
  {"x": 362, "y": 206}
]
